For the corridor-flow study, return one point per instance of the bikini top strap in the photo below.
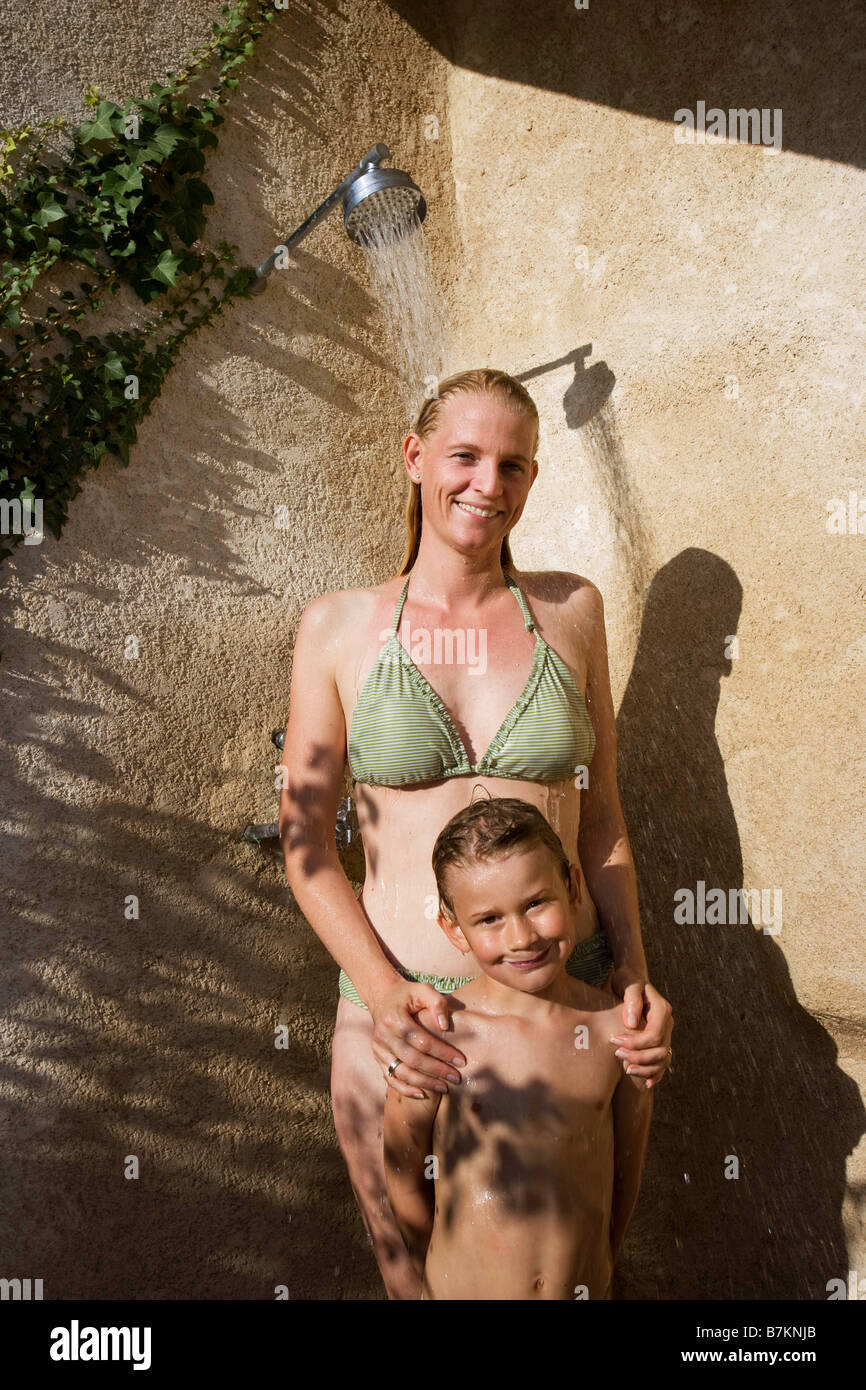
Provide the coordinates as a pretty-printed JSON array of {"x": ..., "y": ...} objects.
[
  {"x": 528, "y": 620},
  {"x": 399, "y": 608}
]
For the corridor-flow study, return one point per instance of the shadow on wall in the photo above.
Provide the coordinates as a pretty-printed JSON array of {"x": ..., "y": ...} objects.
[
  {"x": 755, "y": 1075},
  {"x": 588, "y": 408},
  {"x": 654, "y": 58},
  {"x": 155, "y": 1038}
]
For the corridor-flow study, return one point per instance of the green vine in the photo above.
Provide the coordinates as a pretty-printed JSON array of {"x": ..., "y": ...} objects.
[{"x": 124, "y": 197}]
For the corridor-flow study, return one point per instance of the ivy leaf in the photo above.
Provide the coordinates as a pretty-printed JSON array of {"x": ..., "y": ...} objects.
[
  {"x": 49, "y": 210},
  {"x": 197, "y": 192},
  {"x": 162, "y": 142},
  {"x": 189, "y": 159},
  {"x": 185, "y": 213},
  {"x": 121, "y": 180},
  {"x": 166, "y": 268},
  {"x": 113, "y": 368},
  {"x": 189, "y": 225},
  {"x": 101, "y": 128}
]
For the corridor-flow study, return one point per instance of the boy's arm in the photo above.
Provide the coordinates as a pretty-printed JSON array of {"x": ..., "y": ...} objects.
[
  {"x": 632, "y": 1107},
  {"x": 408, "y": 1140}
]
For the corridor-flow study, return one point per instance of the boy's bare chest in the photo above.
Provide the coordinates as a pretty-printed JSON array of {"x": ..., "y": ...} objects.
[{"x": 541, "y": 1086}]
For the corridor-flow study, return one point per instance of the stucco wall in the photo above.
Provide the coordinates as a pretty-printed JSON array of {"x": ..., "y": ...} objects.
[{"x": 628, "y": 280}]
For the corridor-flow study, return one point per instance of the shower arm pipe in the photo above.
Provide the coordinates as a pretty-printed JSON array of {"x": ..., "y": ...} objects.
[{"x": 371, "y": 159}]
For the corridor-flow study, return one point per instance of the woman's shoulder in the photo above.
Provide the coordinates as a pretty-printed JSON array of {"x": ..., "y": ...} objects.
[
  {"x": 346, "y": 608},
  {"x": 560, "y": 589},
  {"x": 570, "y": 611}
]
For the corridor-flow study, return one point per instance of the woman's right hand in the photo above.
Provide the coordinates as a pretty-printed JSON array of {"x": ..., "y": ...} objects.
[{"x": 426, "y": 1061}]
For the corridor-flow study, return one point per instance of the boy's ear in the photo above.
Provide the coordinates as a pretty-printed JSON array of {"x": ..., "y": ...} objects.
[
  {"x": 574, "y": 882},
  {"x": 453, "y": 932}
]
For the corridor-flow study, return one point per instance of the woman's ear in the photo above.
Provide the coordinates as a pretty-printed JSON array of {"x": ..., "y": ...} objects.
[
  {"x": 412, "y": 447},
  {"x": 453, "y": 932}
]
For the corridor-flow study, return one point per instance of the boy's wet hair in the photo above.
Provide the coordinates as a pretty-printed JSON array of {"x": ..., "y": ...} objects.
[{"x": 489, "y": 829}]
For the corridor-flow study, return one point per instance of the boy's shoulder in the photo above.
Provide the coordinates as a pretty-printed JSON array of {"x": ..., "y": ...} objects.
[
  {"x": 600, "y": 1008},
  {"x": 465, "y": 1010},
  {"x": 601, "y": 1004}
]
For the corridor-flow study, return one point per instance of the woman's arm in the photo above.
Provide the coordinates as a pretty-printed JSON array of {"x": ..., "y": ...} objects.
[
  {"x": 313, "y": 762},
  {"x": 608, "y": 866},
  {"x": 602, "y": 839},
  {"x": 314, "y": 756},
  {"x": 632, "y": 1112}
]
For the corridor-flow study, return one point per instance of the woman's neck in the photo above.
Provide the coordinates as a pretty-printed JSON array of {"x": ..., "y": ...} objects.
[{"x": 447, "y": 576}]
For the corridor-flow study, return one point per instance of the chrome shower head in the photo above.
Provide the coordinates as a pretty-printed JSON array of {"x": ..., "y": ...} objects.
[
  {"x": 379, "y": 205},
  {"x": 382, "y": 205}
]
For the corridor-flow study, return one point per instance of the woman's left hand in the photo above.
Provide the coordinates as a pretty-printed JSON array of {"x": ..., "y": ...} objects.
[{"x": 644, "y": 1048}]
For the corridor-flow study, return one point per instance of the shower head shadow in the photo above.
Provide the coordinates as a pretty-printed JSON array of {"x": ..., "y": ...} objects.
[{"x": 379, "y": 206}]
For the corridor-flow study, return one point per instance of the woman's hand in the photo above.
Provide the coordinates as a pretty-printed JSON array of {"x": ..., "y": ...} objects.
[
  {"x": 424, "y": 1059},
  {"x": 645, "y": 1049}
]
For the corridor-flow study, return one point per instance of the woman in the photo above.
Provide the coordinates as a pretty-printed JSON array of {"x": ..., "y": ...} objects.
[{"x": 422, "y": 732}]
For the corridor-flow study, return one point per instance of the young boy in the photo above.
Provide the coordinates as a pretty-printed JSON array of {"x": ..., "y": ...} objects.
[{"x": 519, "y": 1183}]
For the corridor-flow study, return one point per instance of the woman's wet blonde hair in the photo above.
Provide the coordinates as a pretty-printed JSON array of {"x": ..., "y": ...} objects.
[{"x": 480, "y": 381}]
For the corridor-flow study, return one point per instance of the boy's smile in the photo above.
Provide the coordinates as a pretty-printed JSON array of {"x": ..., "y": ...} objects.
[
  {"x": 515, "y": 914},
  {"x": 531, "y": 962}
]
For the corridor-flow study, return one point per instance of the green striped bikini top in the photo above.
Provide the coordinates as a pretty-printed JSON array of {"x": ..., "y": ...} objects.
[{"x": 402, "y": 733}]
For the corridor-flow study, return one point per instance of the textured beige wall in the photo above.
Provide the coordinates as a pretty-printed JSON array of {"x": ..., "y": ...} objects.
[{"x": 625, "y": 278}]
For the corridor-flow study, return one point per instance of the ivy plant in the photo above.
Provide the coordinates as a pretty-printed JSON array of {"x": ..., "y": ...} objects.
[{"x": 124, "y": 197}]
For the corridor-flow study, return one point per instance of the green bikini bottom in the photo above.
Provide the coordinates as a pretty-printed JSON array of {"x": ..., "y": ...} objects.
[{"x": 590, "y": 960}]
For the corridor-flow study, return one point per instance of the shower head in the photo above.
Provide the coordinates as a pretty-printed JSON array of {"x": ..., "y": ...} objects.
[
  {"x": 382, "y": 205},
  {"x": 379, "y": 205}
]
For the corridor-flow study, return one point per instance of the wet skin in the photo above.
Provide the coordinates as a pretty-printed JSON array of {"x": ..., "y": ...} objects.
[
  {"x": 525, "y": 1154},
  {"x": 480, "y": 453},
  {"x": 538, "y": 1153}
]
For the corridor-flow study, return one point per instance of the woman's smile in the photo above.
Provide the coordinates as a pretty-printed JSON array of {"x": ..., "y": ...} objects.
[{"x": 473, "y": 510}]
